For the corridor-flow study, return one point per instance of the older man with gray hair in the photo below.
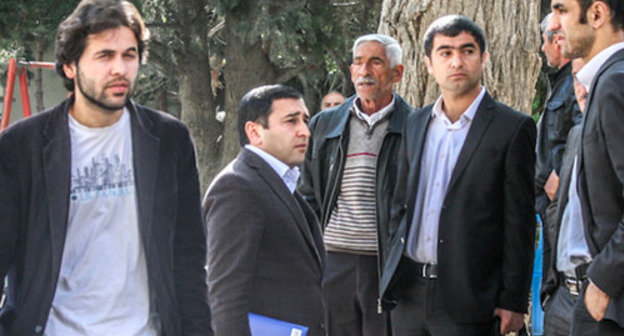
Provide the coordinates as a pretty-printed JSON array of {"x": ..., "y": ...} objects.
[{"x": 349, "y": 177}]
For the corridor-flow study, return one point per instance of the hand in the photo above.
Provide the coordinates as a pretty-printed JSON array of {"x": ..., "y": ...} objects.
[
  {"x": 596, "y": 301},
  {"x": 510, "y": 321},
  {"x": 551, "y": 185}
]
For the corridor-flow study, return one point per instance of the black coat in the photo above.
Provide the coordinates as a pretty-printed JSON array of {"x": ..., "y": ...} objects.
[
  {"x": 265, "y": 250},
  {"x": 35, "y": 163},
  {"x": 601, "y": 182},
  {"x": 487, "y": 223},
  {"x": 560, "y": 114}
]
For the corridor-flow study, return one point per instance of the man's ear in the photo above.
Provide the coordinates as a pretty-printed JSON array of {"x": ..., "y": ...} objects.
[
  {"x": 428, "y": 64},
  {"x": 397, "y": 73},
  {"x": 484, "y": 58},
  {"x": 252, "y": 130},
  {"x": 70, "y": 70},
  {"x": 598, "y": 14}
]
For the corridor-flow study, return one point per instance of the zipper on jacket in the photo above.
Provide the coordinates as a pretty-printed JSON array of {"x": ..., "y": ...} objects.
[
  {"x": 379, "y": 307},
  {"x": 335, "y": 187}
]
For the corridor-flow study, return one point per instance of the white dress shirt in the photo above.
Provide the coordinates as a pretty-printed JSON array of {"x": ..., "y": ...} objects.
[
  {"x": 372, "y": 119},
  {"x": 572, "y": 249},
  {"x": 287, "y": 174},
  {"x": 587, "y": 74},
  {"x": 443, "y": 143}
]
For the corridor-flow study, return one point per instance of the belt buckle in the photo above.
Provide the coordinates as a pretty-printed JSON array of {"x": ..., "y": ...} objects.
[
  {"x": 573, "y": 286},
  {"x": 425, "y": 274}
]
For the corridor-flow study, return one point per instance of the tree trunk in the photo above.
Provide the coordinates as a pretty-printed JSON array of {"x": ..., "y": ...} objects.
[
  {"x": 248, "y": 65},
  {"x": 198, "y": 112},
  {"x": 197, "y": 104},
  {"x": 512, "y": 31}
]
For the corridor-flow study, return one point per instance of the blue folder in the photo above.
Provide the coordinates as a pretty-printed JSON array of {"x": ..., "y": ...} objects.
[{"x": 266, "y": 326}]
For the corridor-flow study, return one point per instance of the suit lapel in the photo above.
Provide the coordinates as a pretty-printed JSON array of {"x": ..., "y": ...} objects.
[
  {"x": 313, "y": 224},
  {"x": 415, "y": 144},
  {"x": 479, "y": 125},
  {"x": 618, "y": 56},
  {"x": 57, "y": 177},
  {"x": 581, "y": 183},
  {"x": 145, "y": 148},
  {"x": 279, "y": 188}
]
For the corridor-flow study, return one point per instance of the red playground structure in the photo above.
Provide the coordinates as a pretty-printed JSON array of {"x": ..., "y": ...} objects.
[{"x": 20, "y": 68}]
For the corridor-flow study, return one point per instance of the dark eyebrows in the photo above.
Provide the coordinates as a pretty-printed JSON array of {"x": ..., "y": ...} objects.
[
  {"x": 293, "y": 114},
  {"x": 305, "y": 116},
  {"x": 111, "y": 51},
  {"x": 461, "y": 47}
]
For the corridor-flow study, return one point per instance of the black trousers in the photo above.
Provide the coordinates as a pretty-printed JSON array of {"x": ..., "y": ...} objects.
[
  {"x": 420, "y": 311},
  {"x": 585, "y": 325},
  {"x": 350, "y": 291},
  {"x": 558, "y": 313}
]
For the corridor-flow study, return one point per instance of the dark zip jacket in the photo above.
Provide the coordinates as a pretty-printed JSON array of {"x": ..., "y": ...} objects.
[{"x": 326, "y": 155}]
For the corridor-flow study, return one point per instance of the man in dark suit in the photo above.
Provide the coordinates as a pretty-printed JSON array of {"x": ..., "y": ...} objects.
[
  {"x": 100, "y": 220},
  {"x": 462, "y": 228},
  {"x": 593, "y": 30},
  {"x": 265, "y": 250}
]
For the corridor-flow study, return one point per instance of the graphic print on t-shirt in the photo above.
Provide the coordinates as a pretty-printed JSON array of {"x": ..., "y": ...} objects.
[{"x": 103, "y": 177}]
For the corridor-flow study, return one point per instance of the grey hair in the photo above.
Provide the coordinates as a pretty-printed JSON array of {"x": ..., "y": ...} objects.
[
  {"x": 393, "y": 48},
  {"x": 550, "y": 34}
]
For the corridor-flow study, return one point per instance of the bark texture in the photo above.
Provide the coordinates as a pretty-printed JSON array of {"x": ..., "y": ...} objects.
[
  {"x": 196, "y": 99},
  {"x": 512, "y": 31},
  {"x": 248, "y": 65}
]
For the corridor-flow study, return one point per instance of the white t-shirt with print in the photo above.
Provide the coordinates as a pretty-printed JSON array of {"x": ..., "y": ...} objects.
[{"x": 103, "y": 286}]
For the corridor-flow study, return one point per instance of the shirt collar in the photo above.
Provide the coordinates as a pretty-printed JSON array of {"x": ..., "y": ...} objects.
[
  {"x": 587, "y": 74},
  {"x": 287, "y": 174},
  {"x": 468, "y": 115},
  {"x": 375, "y": 117}
]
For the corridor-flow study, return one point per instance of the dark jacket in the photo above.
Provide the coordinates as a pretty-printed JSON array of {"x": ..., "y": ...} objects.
[
  {"x": 265, "y": 250},
  {"x": 560, "y": 114},
  {"x": 35, "y": 164},
  {"x": 487, "y": 224},
  {"x": 326, "y": 156},
  {"x": 601, "y": 182}
]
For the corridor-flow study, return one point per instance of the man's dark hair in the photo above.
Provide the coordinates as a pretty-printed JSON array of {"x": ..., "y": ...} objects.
[
  {"x": 93, "y": 17},
  {"x": 617, "y": 11},
  {"x": 451, "y": 26},
  {"x": 256, "y": 106}
]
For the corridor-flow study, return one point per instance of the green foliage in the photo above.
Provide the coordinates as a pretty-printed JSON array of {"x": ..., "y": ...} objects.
[
  {"x": 25, "y": 21},
  {"x": 313, "y": 34}
]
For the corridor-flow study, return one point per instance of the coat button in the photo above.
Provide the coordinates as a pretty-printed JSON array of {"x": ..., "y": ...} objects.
[
  {"x": 402, "y": 240},
  {"x": 38, "y": 329}
]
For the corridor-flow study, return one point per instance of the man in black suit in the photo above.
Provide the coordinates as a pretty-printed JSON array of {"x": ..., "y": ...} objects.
[
  {"x": 462, "y": 228},
  {"x": 265, "y": 250},
  {"x": 593, "y": 30},
  {"x": 100, "y": 220}
]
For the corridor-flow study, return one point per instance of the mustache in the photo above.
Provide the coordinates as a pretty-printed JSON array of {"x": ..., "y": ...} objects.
[
  {"x": 117, "y": 80},
  {"x": 366, "y": 80}
]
